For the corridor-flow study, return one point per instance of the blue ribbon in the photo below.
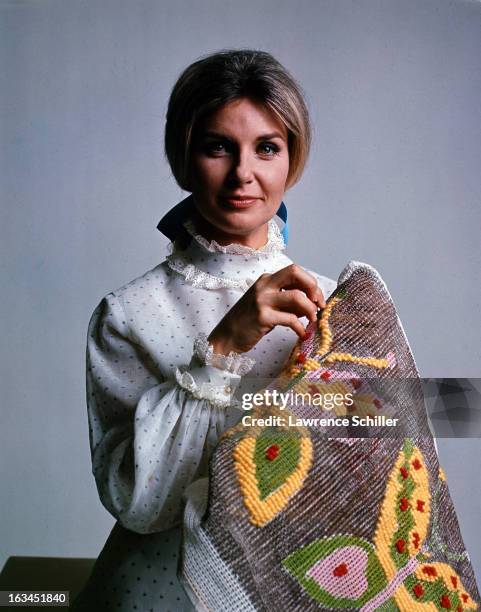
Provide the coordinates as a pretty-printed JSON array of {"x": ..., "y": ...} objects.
[
  {"x": 282, "y": 213},
  {"x": 171, "y": 223}
]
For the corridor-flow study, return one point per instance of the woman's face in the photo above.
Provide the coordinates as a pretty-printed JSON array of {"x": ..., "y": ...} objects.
[{"x": 239, "y": 169}]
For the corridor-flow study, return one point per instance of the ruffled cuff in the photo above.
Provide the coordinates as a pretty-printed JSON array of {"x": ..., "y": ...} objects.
[
  {"x": 235, "y": 363},
  {"x": 208, "y": 383},
  {"x": 212, "y": 376}
]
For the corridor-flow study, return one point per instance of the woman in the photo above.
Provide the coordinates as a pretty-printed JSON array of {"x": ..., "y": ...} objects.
[{"x": 237, "y": 136}]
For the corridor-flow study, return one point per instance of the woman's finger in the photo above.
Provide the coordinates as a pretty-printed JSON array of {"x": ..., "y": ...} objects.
[
  {"x": 295, "y": 277},
  {"x": 294, "y": 301},
  {"x": 290, "y": 320}
]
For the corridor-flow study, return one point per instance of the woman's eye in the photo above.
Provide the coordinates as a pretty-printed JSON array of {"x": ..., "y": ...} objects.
[
  {"x": 268, "y": 149},
  {"x": 215, "y": 147}
]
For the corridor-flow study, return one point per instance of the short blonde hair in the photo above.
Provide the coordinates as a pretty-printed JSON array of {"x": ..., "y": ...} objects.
[{"x": 209, "y": 83}]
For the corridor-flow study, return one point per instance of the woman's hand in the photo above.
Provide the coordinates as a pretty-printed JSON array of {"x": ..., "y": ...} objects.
[{"x": 274, "y": 299}]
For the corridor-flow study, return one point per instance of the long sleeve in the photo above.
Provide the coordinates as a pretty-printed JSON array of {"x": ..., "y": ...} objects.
[{"x": 149, "y": 437}]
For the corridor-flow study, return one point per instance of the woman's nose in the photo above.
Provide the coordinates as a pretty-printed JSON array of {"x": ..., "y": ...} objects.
[{"x": 243, "y": 168}]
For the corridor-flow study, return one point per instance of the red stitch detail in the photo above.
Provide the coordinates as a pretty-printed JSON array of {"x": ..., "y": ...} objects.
[
  {"x": 416, "y": 539},
  {"x": 272, "y": 452},
  {"x": 429, "y": 570},
  {"x": 464, "y": 597},
  {"x": 420, "y": 505},
  {"x": 340, "y": 570},
  {"x": 454, "y": 581},
  {"x": 326, "y": 375},
  {"x": 356, "y": 383},
  {"x": 377, "y": 403},
  {"x": 459, "y": 608},
  {"x": 301, "y": 358},
  {"x": 401, "y": 546},
  {"x": 418, "y": 590},
  {"x": 445, "y": 603},
  {"x": 417, "y": 464},
  {"x": 404, "y": 472},
  {"x": 404, "y": 504}
]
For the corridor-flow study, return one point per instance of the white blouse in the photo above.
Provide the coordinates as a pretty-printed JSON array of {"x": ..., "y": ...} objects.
[{"x": 158, "y": 398}]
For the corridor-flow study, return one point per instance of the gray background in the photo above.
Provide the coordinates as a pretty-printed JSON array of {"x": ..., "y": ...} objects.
[{"x": 394, "y": 90}]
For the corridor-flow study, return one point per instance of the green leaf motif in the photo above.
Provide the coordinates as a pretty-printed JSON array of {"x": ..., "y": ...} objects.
[
  {"x": 332, "y": 579},
  {"x": 272, "y": 473},
  {"x": 432, "y": 592}
]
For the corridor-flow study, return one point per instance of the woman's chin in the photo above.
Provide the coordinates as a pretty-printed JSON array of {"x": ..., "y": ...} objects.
[
  {"x": 240, "y": 230},
  {"x": 226, "y": 226},
  {"x": 240, "y": 225}
]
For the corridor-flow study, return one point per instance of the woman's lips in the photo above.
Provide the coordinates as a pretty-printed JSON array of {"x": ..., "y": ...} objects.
[{"x": 239, "y": 202}]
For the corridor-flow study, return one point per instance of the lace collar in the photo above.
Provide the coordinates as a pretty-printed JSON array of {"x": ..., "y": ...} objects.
[
  {"x": 275, "y": 242},
  {"x": 211, "y": 265}
]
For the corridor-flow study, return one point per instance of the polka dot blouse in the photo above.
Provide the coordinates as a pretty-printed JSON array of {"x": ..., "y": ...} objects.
[{"x": 158, "y": 398}]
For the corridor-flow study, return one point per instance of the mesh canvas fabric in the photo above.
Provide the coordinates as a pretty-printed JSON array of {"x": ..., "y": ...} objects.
[{"x": 302, "y": 516}]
